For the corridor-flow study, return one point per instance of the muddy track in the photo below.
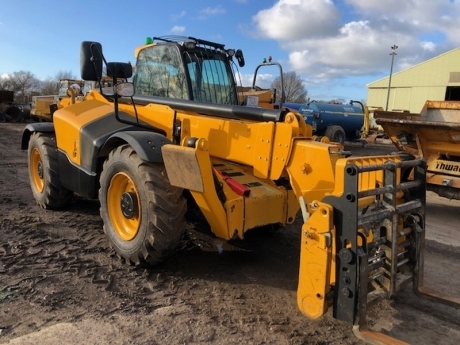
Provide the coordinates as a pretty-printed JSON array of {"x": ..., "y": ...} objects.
[
  {"x": 70, "y": 267},
  {"x": 57, "y": 267}
]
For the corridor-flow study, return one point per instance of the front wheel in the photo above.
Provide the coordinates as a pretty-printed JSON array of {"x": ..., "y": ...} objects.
[
  {"x": 143, "y": 215},
  {"x": 44, "y": 172}
]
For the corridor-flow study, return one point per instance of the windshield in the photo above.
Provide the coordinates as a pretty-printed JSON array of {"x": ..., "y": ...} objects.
[
  {"x": 206, "y": 77},
  {"x": 159, "y": 72}
]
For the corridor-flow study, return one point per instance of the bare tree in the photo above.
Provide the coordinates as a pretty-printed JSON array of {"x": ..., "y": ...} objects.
[
  {"x": 23, "y": 83},
  {"x": 50, "y": 86},
  {"x": 294, "y": 88},
  {"x": 64, "y": 75}
]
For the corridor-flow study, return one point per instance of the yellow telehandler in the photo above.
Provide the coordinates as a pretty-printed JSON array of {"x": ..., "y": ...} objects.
[{"x": 179, "y": 125}]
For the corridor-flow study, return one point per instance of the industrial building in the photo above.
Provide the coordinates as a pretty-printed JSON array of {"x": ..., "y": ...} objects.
[{"x": 436, "y": 79}]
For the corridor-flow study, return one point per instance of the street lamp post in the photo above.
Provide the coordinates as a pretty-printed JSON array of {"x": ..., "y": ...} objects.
[{"x": 393, "y": 53}]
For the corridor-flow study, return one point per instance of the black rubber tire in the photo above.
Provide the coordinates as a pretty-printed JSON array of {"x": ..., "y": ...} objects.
[
  {"x": 156, "y": 224},
  {"x": 405, "y": 156},
  {"x": 335, "y": 134},
  {"x": 44, "y": 172}
]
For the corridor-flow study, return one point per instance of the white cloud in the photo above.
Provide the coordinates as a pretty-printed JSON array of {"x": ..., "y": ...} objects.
[
  {"x": 246, "y": 79},
  {"x": 325, "y": 44},
  {"x": 178, "y": 16},
  {"x": 212, "y": 11},
  {"x": 291, "y": 19},
  {"x": 177, "y": 29},
  {"x": 264, "y": 80},
  {"x": 428, "y": 46}
]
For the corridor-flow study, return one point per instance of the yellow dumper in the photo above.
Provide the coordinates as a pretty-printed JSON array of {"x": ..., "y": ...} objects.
[{"x": 434, "y": 135}]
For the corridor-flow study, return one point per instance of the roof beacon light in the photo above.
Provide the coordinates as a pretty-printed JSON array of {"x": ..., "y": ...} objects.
[
  {"x": 264, "y": 60},
  {"x": 269, "y": 58},
  {"x": 148, "y": 40}
]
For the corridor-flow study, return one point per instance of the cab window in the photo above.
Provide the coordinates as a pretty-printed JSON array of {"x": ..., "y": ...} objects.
[{"x": 159, "y": 72}]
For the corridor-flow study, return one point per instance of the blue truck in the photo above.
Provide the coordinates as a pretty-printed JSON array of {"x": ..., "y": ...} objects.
[{"x": 338, "y": 122}]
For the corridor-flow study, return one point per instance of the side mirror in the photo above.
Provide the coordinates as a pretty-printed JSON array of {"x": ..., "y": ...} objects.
[
  {"x": 239, "y": 57},
  {"x": 119, "y": 70},
  {"x": 91, "y": 60}
]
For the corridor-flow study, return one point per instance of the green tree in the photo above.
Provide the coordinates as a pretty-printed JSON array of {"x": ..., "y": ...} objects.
[{"x": 294, "y": 88}]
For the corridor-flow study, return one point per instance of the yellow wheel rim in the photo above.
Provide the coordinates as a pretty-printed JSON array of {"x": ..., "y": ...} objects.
[
  {"x": 123, "y": 206},
  {"x": 36, "y": 170}
]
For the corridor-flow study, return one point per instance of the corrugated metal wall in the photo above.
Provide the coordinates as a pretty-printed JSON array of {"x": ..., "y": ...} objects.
[{"x": 410, "y": 88}]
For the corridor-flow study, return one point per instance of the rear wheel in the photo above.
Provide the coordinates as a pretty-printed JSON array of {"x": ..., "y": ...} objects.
[
  {"x": 44, "y": 172},
  {"x": 144, "y": 216},
  {"x": 335, "y": 134}
]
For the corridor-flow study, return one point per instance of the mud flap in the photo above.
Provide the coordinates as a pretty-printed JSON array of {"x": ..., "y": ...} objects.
[{"x": 183, "y": 167}]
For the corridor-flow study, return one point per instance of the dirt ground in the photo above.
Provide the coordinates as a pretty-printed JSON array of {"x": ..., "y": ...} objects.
[{"x": 60, "y": 283}]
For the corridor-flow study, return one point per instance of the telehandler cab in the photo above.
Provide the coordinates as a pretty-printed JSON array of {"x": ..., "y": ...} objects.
[{"x": 180, "y": 126}]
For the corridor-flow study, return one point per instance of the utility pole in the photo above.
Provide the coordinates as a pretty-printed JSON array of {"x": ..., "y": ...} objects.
[{"x": 393, "y": 53}]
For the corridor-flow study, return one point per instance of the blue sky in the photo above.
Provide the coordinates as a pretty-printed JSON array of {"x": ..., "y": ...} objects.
[{"x": 337, "y": 47}]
